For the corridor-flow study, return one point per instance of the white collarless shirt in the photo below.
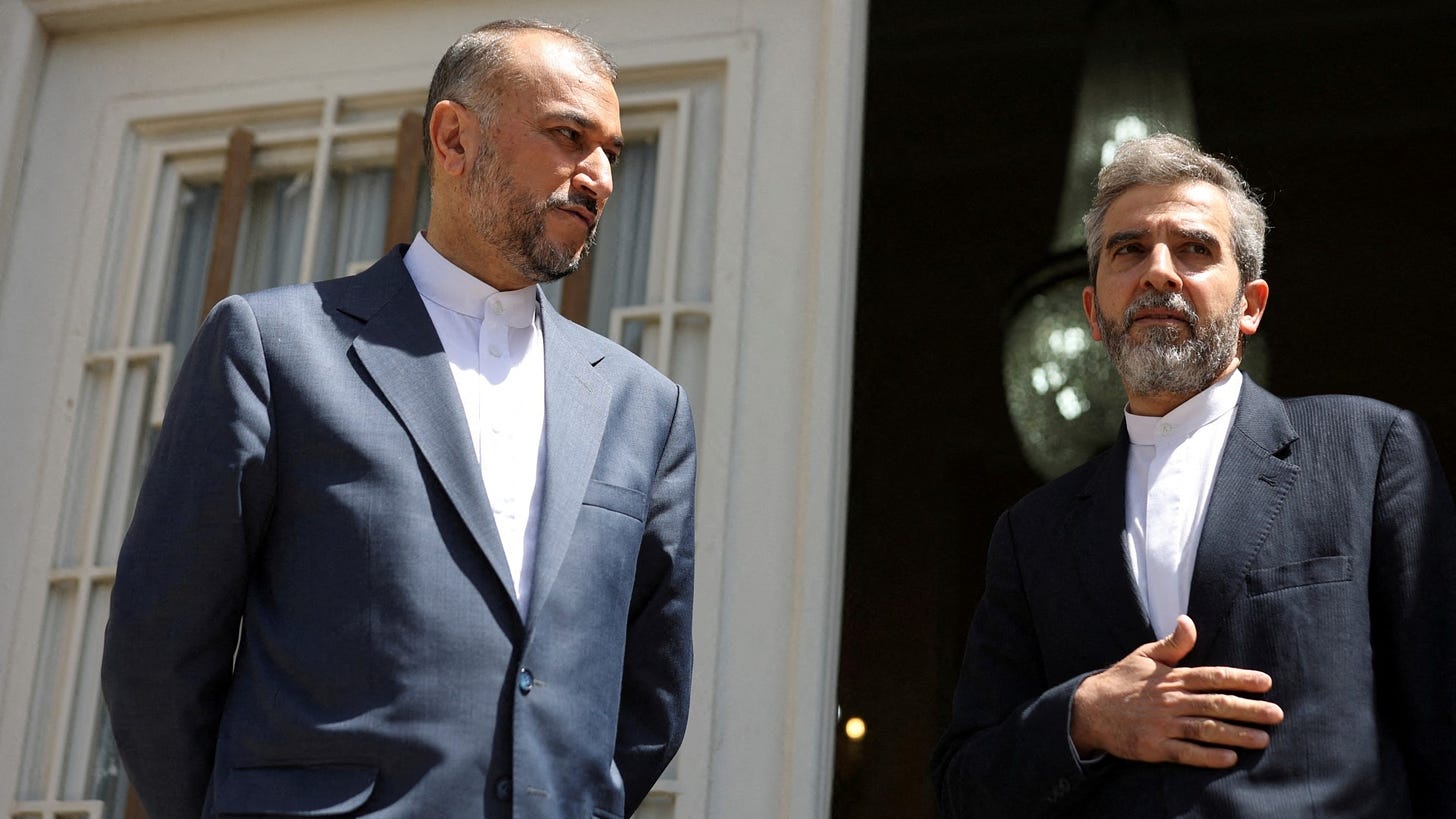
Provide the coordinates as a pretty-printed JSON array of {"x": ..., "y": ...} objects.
[
  {"x": 494, "y": 343},
  {"x": 1171, "y": 465}
]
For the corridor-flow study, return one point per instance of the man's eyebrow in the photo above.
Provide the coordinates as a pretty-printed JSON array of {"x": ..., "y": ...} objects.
[
  {"x": 1124, "y": 236},
  {"x": 1194, "y": 233},
  {"x": 1197, "y": 235},
  {"x": 586, "y": 123}
]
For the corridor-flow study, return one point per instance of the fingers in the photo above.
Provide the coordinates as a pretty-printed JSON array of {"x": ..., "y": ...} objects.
[
  {"x": 1203, "y": 743},
  {"x": 1146, "y": 708},
  {"x": 1172, "y": 649},
  {"x": 1215, "y": 732},
  {"x": 1221, "y": 678},
  {"x": 1208, "y": 743},
  {"x": 1236, "y": 709},
  {"x": 1198, "y": 756}
]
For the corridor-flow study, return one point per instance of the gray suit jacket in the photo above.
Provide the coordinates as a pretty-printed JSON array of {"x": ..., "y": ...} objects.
[
  {"x": 1327, "y": 559},
  {"x": 314, "y": 480}
]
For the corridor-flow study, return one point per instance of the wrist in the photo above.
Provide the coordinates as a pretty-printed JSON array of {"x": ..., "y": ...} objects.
[{"x": 1080, "y": 728}]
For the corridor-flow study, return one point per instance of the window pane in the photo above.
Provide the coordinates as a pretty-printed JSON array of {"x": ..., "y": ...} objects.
[
  {"x": 191, "y": 242},
  {"x": 351, "y": 228},
  {"x": 270, "y": 243},
  {"x": 640, "y": 336},
  {"x": 133, "y": 443},
  {"x": 624, "y": 236},
  {"x": 655, "y": 806},
  {"x": 108, "y": 778},
  {"x": 44, "y": 699},
  {"x": 81, "y": 745}
]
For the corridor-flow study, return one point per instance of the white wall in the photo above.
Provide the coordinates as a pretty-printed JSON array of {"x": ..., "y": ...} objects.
[
  {"x": 22, "y": 49},
  {"x": 774, "y": 564}
]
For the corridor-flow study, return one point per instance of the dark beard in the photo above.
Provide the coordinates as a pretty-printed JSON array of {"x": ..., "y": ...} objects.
[
  {"x": 517, "y": 227},
  {"x": 1164, "y": 364}
]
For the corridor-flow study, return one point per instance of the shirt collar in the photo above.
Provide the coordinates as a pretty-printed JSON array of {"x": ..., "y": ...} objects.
[
  {"x": 442, "y": 282},
  {"x": 1188, "y": 417}
]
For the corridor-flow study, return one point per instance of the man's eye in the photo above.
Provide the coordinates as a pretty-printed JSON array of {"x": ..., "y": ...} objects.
[
  {"x": 570, "y": 133},
  {"x": 1123, "y": 250}
]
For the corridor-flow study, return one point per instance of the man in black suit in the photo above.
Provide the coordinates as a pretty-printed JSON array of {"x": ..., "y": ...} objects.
[{"x": 1297, "y": 559}]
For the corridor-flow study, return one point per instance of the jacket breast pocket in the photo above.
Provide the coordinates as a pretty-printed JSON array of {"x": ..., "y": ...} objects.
[
  {"x": 1331, "y": 569},
  {"x": 618, "y": 499},
  {"x": 294, "y": 790}
]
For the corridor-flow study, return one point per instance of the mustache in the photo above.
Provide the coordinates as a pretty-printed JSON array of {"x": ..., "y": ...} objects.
[
  {"x": 561, "y": 200},
  {"x": 1174, "y": 302}
]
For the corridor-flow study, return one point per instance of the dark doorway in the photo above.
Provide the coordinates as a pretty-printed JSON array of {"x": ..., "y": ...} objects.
[{"x": 1340, "y": 114}]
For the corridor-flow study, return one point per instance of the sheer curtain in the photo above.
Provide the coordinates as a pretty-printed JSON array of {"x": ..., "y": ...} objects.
[
  {"x": 351, "y": 227},
  {"x": 191, "y": 244},
  {"x": 624, "y": 240},
  {"x": 270, "y": 241}
]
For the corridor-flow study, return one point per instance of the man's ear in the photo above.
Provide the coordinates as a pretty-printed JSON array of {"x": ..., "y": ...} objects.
[
  {"x": 1089, "y": 306},
  {"x": 453, "y": 137},
  {"x": 1256, "y": 298}
]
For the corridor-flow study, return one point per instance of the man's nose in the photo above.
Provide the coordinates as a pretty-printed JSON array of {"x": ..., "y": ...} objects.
[
  {"x": 1161, "y": 274},
  {"x": 594, "y": 176}
]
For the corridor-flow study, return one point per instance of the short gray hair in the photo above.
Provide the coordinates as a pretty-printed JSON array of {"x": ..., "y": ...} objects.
[
  {"x": 1168, "y": 159},
  {"x": 479, "y": 65}
]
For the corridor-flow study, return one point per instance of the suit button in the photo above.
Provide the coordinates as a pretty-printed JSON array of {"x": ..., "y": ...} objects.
[
  {"x": 503, "y": 789},
  {"x": 524, "y": 680}
]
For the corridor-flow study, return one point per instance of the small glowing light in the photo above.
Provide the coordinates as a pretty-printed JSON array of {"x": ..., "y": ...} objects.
[
  {"x": 854, "y": 728},
  {"x": 1129, "y": 127},
  {"x": 1039, "y": 381},
  {"x": 1054, "y": 375},
  {"x": 1072, "y": 404},
  {"x": 1067, "y": 342},
  {"x": 1047, "y": 377}
]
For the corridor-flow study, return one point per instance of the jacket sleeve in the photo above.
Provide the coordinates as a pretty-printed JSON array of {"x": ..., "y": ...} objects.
[
  {"x": 658, "y": 660},
  {"x": 182, "y": 573},
  {"x": 1413, "y": 574},
  {"x": 1007, "y": 751}
]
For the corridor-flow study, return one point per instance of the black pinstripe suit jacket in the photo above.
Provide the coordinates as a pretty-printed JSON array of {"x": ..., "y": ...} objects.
[{"x": 1327, "y": 560}]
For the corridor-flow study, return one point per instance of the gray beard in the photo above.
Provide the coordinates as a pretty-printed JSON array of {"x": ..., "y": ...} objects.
[
  {"x": 1164, "y": 364},
  {"x": 517, "y": 226}
]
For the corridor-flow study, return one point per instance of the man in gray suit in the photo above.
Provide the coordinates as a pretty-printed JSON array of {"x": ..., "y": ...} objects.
[
  {"x": 1297, "y": 558},
  {"x": 411, "y": 544}
]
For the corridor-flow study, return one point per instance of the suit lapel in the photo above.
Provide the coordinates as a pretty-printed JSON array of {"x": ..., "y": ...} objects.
[
  {"x": 577, "y": 399},
  {"x": 1249, "y": 489},
  {"x": 401, "y": 351},
  {"x": 1096, "y": 526}
]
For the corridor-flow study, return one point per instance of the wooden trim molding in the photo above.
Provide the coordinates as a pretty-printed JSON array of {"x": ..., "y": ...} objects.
[
  {"x": 404, "y": 191},
  {"x": 236, "y": 175},
  {"x": 576, "y": 293},
  {"x": 134, "y": 809}
]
